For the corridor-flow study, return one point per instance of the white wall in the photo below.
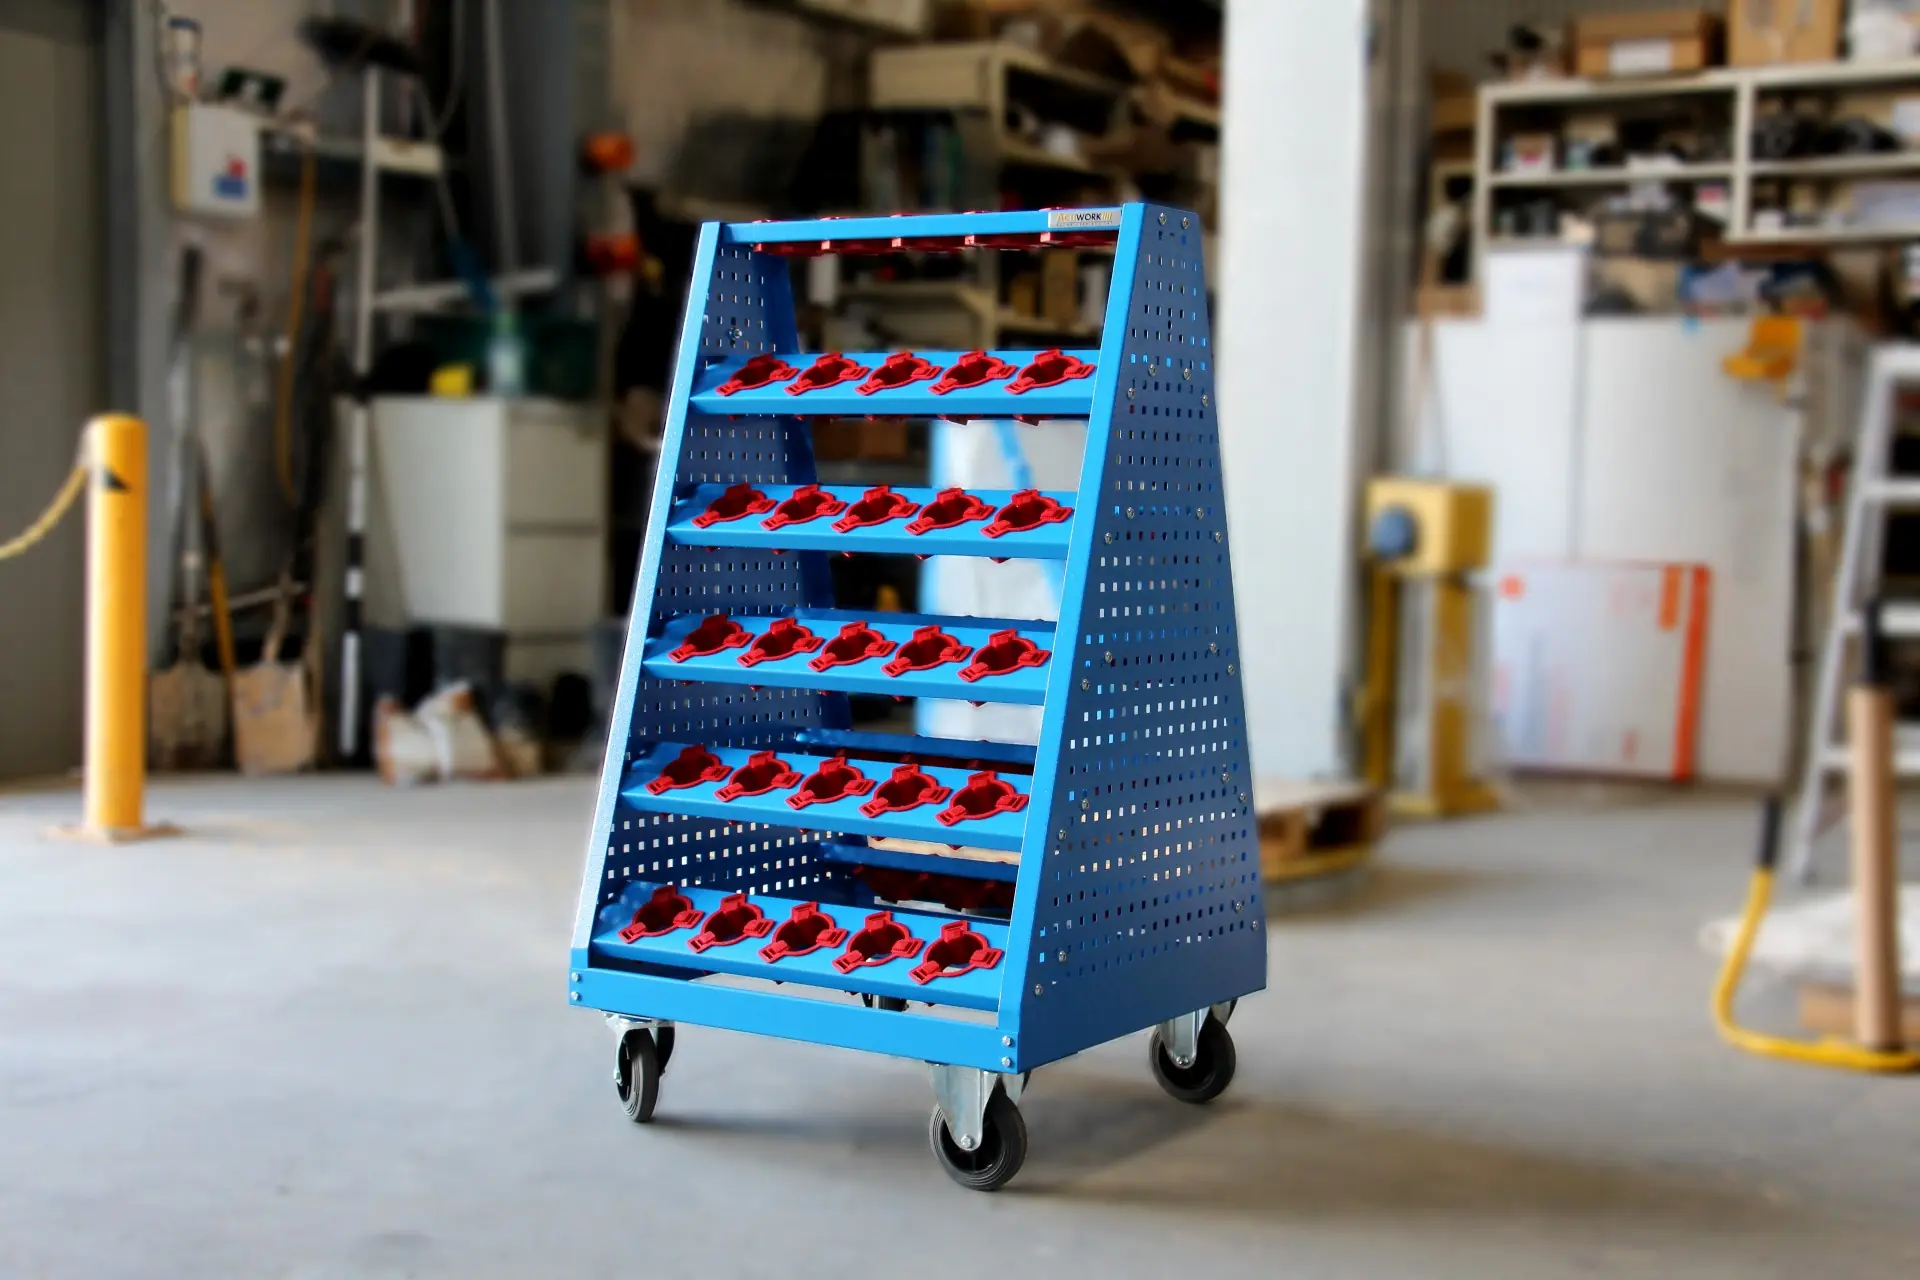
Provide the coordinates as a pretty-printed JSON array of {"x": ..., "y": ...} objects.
[{"x": 1292, "y": 234}]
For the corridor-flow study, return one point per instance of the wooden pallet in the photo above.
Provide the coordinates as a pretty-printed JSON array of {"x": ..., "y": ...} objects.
[
  {"x": 1312, "y": 829},
  {"x": 1828, "y": 1011}
]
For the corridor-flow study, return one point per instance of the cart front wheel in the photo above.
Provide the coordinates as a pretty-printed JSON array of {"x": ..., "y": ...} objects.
[
  {"x": 1002, "y": 1149},
  {"x": 636, "y": 1076},
  {"x": 1210, "y": 1072},
  {"x": 893, "y": 1004}
]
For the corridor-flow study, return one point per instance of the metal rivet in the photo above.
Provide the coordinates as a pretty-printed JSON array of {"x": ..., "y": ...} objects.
[
  {"x": 1255, "y": 922},
  {"x": 966, "y": 1143},
  {"x": 1006, "y": 1062},
  {"x": 1007, "y": 1041},
  {"x": 574, "y": 994},
  {"x": 1063, "y": 833},
  {"x": 1039, "y": 990},
  {"x": 1219, "y": 536},
  {"x": 1213, "y": 648},
  {"x": 1129, "y": 513},
  {"x": 1230, "y": 668},
  {"x": 1163, "y": 219},
  {"x": 1153, "y": 371},
  {"x": 1129, "y": 393},
  {"x": 1109, "y": 657},
  {"x": 1205, "y": 400},
  {"x": 1186, "y": 375},
  {"x": 1083, "y": 806},
  {"x": 1243, "y": 797},
  {"x": 1086, "y": 684},
  {"x": 1063, "y": 957},
  {"x": 1199, "y": 513},
  {"x": 1109, "y": 537},
  {"x": 735, "y": 334},
  {"x": 1239, "y": 905},
  {"x": 1226, "y": 775},
  {"x": 1185, "y": 222},
  {"x": 576, "y": 977}
]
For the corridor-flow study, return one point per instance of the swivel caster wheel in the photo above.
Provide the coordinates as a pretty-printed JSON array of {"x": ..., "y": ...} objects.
[
  {"x": 1001, "y": 1151},
  {"x": 893, "y": 1004},
  {"x": 636, "y": 1074},
  {"x": 1207, "y": 1076}
]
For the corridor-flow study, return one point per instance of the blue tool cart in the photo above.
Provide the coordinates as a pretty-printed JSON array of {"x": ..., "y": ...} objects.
[{"x": 987, "y": 908}]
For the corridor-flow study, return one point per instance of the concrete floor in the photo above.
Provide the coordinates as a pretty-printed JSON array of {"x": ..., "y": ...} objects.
[{"x": 326, "y": 1035}]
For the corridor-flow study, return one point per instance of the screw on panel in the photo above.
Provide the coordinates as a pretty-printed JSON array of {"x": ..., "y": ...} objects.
[
  {"x": 1153, "y": 371},
  {"x": 1109, "y": 656},
  {"x": 1086, "y": 684},
  {"x": 1163, "y": 219},
  {"x": 1205, "y": 400},
  {"x": 574, "y": 995},
  {"x": 1039, "y": 990},
  {"x": 1186, "y": 375},
  {"x": 1063, "y": 956},
  {"x": 576, "y": 977},
  {"x": 1083, "y": 806},
  {"x": 1219, "y": 536},
  {"x": 1007, "y": 1041},
  {"x": 735, "y": 334},
  {"x": 1063, "y": 833},
  {"x": 1213, "y": 649},
  {"x": 1109, "y": 537},
  {"x": 1129, "y": 513},
  {"x": 1129, "y": 393},
  {"x": 1239, "y": 905},
  {"x": 1185, "y": 222},
  {"x": 1199, "y": 513},
  {"x": 1226, "y": 775},
  {"x": 1230, "y": 668},
  {"x": 1243, "y": 797}
]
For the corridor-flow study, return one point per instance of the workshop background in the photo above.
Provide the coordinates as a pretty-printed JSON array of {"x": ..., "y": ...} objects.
[{"x": 1566, "y": 361}]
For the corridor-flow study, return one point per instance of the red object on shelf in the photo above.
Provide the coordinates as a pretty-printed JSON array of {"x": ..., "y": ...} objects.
[
  {"x": 1027, "y": 509},
  {"x": 830, "y": 370},
  {"x": 804, "y": 931},
  {"x": 735, "y": 918},
  {"x": 809, "y": 502},
  {"x": 786, "y": 637},
  {"x": 881, "y": 939},
  {"x": 668, "y": 909},
  {"x": 985, "y": 794},
  {"x": 949, "y": 508},
  {"x": 908, "y": 788},
  {"x": 957, "y": 950},
  {"x": 1048, "y": 369},
  {"x": 763, "y": 370},
  {"x": 835, "y": 779},
  {"x": 970, "y": 370},
  {"x": 929, "y": 648},
  {"x": 693, "y": 766},
  {"x": 958, "y": 893},
  {"x": 738, "y": 502},
  {"x": 897, "y": 370},
  {"x": 876, "y": 506},
  {"x": 1004, "y": 651},
  {"x": 763, "y": 772},
  {"x": 716, "y": 632},
  {"x": 855, "y": 644}
]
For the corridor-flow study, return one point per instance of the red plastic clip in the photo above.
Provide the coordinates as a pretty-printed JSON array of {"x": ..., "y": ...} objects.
[
  {"x": 809, "y": 502},
  {"x": 835, "y": 779},
  {"x": 829, "y": 370},
  {"x": 1048, "y": 369},
  {"x": 929, "y": 648},
  {"x": 763, "y": 772},
  {"x": 957, "y": 950},
  {"x": 735, "y": 918},
  {"x": 716, "y": 632},
  {"x": 1004, "y": 651},
  {"x": 1027, "y": 509},
  {"x": 806, "y": 930},
  {"x": 786, "y": 637},
  {"x": 881, "y": 939},
  {"x": 668, "y": 909},
  {"x": 738, "y": 502},
  {"x": 984, "y": 795},
  {"x": 970, "y": 370},
  {"x": 897, "y": 370},
  {"x": 693, "y": 766},
  {"x": 908, "y": 788},
  {"x": 949, "y": 508},
  {"x": 763, "y": 370},
  {"x": 856, "y": 643},
  {"x": 876, "y": 506}
]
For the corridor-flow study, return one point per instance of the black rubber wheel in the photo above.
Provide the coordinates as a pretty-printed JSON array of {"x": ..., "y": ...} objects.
[
  {"x": 663, "y": 1046},
  {"x": 1002, "y": 1149},
  {"x": 893, "y": 1004},
  {"x": 1212, "y": 1069},
  {"x": 636, "y": 1076}
]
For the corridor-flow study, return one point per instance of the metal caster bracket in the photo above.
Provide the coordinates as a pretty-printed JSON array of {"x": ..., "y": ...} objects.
[
  {"x": 620, "y": 1024},
  {"x": 961, "y": 1093},
  {"x": 1181, "y": 1036}
]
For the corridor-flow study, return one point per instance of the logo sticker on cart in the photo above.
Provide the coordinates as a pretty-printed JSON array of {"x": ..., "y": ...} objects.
[{"x": 1083, "y": 219}]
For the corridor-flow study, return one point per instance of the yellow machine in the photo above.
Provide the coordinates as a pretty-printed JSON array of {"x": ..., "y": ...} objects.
[{"x": 1421, "y": 705}]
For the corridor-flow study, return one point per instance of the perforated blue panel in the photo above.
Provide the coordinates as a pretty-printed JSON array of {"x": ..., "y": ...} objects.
[{"x": 1148, "y": 903}]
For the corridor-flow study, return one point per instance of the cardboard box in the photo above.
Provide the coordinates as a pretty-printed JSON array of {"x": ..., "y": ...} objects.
[
  {"x": 1762, "y": 33},
  {"x": 1060, "y": 287},
  {"x": 1669, "y": 42}
]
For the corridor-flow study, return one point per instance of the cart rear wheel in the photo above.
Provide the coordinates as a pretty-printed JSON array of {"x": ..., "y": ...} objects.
[
  {"x": 1210, "y": 1073},
  {"x": 636, "y": 1076},
  {"x": 1002, "y": 1149},
  {"x": 891, "y": 1003}
]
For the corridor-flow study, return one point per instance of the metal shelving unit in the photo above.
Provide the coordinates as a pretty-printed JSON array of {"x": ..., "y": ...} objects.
[{"x": 983, "y": 907}]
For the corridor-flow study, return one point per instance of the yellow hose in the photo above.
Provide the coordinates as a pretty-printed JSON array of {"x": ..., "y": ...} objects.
[{"x": 70, "y": 491}]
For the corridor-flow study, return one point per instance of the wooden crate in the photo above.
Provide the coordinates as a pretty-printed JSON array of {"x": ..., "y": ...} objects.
[{"x": 1315, "y": 828}]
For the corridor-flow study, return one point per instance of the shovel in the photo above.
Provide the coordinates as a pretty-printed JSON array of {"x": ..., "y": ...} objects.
[
  {"x": 275, "y": 728},
  {"x": 189, "y": 702}
]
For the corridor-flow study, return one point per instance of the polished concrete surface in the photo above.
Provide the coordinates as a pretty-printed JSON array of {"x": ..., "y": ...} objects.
[{"x": 325, "y": 1034}]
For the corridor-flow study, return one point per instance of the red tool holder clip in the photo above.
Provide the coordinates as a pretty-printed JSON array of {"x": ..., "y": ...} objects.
[
  {"x": 856, "y": 643},
  {"x": 929, "y": 648},
  {"x": 984, "y": 795},
  {"x": 804, "y": 931},
  {"x": 897, "y": 370},
  {"x": 881, "y": 939},
  {"x": 1027, "y": 509},
  {"x": 1048, "y": 369},
  {"x": 949, "y": 508},
  {"x": 876, "y": 506},
  {"x": 957, "y": 950},
  {"x": 735, "y": 918},
  {"x": 737, "y": 503},
  {"x": 668, "y": 909},
  {"x": 809, "y": 502},
  {"x": 716, "y": 632},
  {"x": 786, "y": 637},
  {"x": 763, "y": 370},
  {"x": 908, "y": 788},
  {"x": 763, "y": 772},
  {"x": 835, "y": 779},
  {"x": 1004, "y": 651},
  {"x": 970, "y": 370},
  {"x": 830, "y": 370},
  {"x": 693, "y": 766}
]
